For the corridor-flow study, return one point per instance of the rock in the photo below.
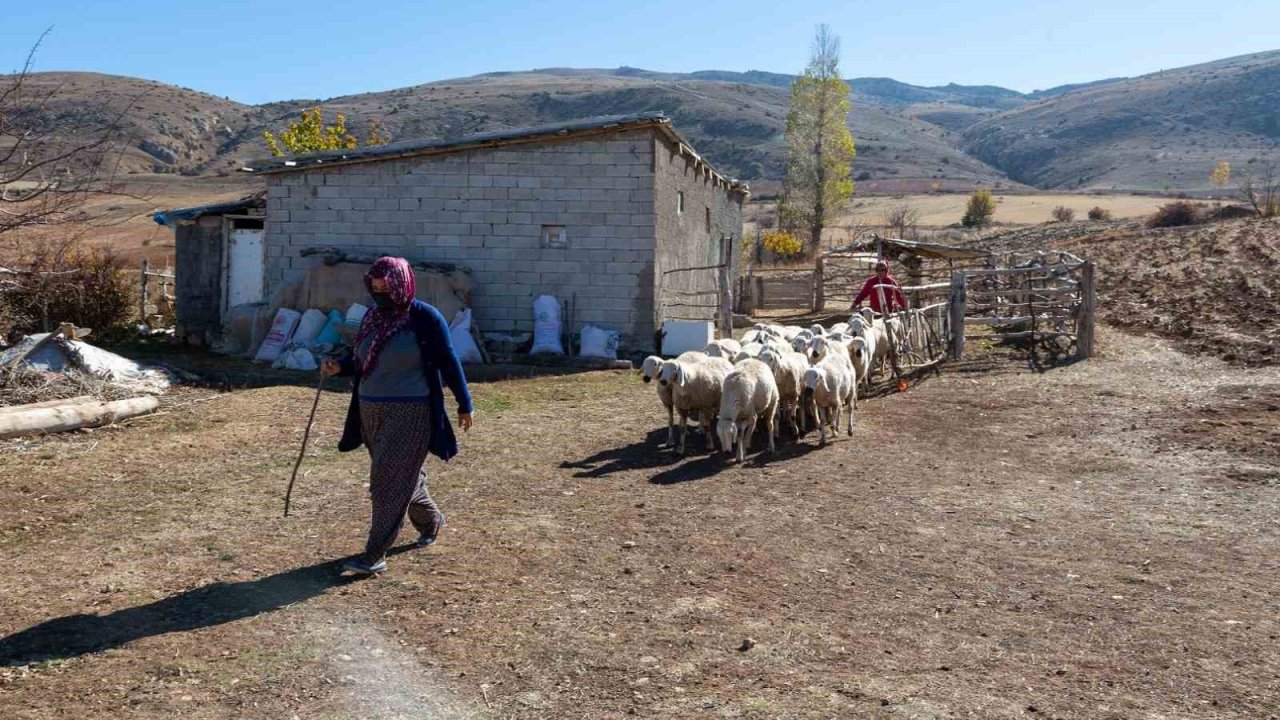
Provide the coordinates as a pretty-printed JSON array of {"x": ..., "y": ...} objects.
[{"x": 747, "y": 644}]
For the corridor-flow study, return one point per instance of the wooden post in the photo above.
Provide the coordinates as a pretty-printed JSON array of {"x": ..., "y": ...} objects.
[
  {"x": 957, "y": 304},
  {"x": 1085, "y": 320},
  {"x": 819, "y": 286},
  {"x": 142, "y": 309},
  {"x": 726, "y": 288}
]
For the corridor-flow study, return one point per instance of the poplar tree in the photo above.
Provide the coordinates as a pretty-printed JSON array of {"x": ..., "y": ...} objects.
[{"x": 820, "y": 148}]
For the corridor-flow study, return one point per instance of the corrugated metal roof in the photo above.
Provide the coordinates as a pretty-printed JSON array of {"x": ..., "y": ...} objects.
[
  {"x": 168, "y": 217},
  {"x": 409, "y": 148}
]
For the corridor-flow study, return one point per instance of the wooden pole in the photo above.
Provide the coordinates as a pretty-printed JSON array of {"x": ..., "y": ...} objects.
[
  {"x": 957, "y": 315},
  {"x": 142, "y": 309},
  {"x": 726, "y": 288},
  {"x": 819, "y": 286},
  {"x": 1085, "y": 323}
]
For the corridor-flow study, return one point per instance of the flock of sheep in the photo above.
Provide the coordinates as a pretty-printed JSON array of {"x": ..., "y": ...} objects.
[{"x": 773, "y": 374}]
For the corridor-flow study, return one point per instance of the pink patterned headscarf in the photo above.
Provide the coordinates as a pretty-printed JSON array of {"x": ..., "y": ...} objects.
[{"x": 381, "y": 323}]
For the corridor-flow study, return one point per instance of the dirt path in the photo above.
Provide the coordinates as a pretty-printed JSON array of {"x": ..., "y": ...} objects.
[{"x": 1096, "y": 541}]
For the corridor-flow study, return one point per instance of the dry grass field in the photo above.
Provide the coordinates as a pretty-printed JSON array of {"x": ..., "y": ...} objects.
[
  {"x": 939, "y": 210},
  {"x": 1001, "y": 541}
]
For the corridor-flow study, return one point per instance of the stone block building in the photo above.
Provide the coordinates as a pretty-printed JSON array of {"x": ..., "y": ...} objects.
[{"x": 619, "y": 212}]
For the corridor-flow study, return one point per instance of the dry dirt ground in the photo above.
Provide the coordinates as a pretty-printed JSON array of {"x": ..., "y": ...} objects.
[{"x": 1091, "y": 541}]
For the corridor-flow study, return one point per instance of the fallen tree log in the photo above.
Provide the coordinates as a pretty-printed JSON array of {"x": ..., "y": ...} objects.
[
  {"x": 82, "y": 399},
  {"x": 72, "y": 417}
]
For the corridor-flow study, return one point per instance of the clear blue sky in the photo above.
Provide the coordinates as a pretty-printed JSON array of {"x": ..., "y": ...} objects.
[{"x": 261, "y": 51}]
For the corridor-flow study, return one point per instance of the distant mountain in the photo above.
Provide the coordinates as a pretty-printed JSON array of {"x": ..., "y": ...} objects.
[{"x": 1164, "y": 129}]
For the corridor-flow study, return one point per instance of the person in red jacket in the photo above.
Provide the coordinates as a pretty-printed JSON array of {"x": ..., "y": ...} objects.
[{"x": 892, "y": 295}]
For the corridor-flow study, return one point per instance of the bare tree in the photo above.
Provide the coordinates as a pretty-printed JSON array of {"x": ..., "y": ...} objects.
[
  {"x": 50, "y": 166},
  {"x": 1262, "y": 192},
  {"x": 903, "y": 220}
]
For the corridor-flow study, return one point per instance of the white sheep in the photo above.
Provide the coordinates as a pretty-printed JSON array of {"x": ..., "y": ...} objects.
[
  {"x": 649, "y": 372},
  {"x": 838, "y": 328},
  {"x": 788, "y": 372},
  {"x": 750, "y": 395},
  {"x": 860, "y": 356},
  {"x": 877, "y": 346},
  {"x": 790, "y": 331},
  {"x": 801, "y": 341},
  {"x": 830, "y": 386},
  {"x": 695, "y": 390},
  {"x": 723, "y": 348},
  {"x": 817, "y": 330}
]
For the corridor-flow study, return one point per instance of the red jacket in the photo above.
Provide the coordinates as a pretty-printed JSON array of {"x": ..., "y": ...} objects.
[{"x": 892, "y": 295}]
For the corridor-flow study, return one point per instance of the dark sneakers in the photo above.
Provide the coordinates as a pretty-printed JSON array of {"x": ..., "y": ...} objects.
[
  {"x": 361, "y": 567},
  {"x": 429, "y": 538}
]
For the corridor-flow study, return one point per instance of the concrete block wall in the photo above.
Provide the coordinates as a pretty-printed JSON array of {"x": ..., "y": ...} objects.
[
  {"x": 686, "y": 239},
  {"x": 486, "y": 209}
]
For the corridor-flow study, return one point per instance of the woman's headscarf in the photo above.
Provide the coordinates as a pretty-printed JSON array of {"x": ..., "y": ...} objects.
[{"x": 380, "y": 323}]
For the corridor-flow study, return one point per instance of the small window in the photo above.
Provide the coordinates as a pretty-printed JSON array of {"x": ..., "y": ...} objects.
[
  {"x": 679, "y": 202},
  {"x": 553, "y": 236},
  {"x": 708, "y": 219}
]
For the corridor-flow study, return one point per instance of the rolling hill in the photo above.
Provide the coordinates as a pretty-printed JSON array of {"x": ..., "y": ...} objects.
[{"x": 1158, "y": 131}]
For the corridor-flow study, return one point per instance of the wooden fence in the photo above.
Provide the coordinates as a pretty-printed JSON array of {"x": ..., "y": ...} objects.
[{"x": 1046, "y": 295}]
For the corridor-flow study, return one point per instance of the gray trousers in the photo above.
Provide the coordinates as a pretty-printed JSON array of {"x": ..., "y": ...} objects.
[{"x": 396, "y": 434}]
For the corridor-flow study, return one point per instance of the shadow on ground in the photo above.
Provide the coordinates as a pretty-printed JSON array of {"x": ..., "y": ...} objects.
[{"x": 215, "y": 604}]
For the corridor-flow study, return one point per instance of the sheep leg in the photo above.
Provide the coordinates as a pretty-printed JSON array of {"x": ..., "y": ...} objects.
[
  {"x": 822, "y": 425},
  {"x": 709, "y": 434},
  {"x": 852, "y": 407},
  {"x": 671, "y": 426},
  {"x": 684, "y": 429},
  {"x": 771, "y": 428}
]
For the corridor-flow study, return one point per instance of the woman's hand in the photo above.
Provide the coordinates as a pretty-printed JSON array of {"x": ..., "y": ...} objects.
[
  {"x": 464, "y": 421},
  {"x": 330, "y": 367}
]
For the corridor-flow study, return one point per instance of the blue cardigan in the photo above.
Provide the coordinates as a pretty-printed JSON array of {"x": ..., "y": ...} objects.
[{"x": 439, "y": 361}]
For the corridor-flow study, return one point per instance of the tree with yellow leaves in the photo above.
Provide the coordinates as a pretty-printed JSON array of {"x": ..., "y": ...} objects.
[
  {"x": 1221, "y": 174},
  {"x": 820, "y": 148},
  {"x": 981, "y": 207},
  {"x": 310, "y": 134}
]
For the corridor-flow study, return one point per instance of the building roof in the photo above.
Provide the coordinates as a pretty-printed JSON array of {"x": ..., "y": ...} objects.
[
  {"x": 410, "y": 148},
  {"x": 170, "y": 217}
]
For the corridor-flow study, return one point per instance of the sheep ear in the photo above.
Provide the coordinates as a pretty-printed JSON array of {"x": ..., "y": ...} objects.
[{"x": 680, "y": 375}]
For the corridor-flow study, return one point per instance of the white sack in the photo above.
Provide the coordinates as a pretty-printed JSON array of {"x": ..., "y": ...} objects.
[
  {"x": 600, "y": 343},
  {"x": 546, "y": 326},
  {"x": 460, "y": 333},
  {"x": 309, "y": 326},
  {"x": 278, "y": 337}
]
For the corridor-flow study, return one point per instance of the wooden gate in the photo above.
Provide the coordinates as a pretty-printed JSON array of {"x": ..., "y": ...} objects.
[
  {"x": 783, "y": 289},
  {"x": 1048, "y": 296}
]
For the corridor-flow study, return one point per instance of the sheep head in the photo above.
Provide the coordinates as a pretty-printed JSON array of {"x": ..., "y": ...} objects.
[
  {"x": 727, "y": 431},
  {"x": 650, "y": 367}
]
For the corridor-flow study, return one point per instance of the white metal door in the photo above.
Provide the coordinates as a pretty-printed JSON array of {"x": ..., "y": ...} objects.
[{"x": 246, "y": 268}]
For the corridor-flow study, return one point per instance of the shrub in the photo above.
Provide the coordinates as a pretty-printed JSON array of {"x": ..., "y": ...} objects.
[
  {"x": 783, "y": 244},
  {"x": 1098, "y": 212},
  {"x": 981, "y": 207},
  {"x": 1176, "y": 214},
  {"x": 85, "y": 286},
  {"x": 1062, "y": 213}
]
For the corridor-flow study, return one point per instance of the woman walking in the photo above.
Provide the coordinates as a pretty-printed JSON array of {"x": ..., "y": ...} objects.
[{"x": 402, "y": 357}]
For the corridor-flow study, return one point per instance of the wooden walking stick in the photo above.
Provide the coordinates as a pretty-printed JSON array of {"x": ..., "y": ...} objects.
[{"x": 288, "y": 495}]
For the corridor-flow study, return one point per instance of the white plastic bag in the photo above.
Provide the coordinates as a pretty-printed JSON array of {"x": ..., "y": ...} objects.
[
  {"x": 546, "y": 326},
  {"x": 355, "y": 314},
  {"x": 599, "y": 343},
  {"x": 312, "y": 322},
  {"x": 278, "y": 336},
  {"x": 460, "y": 333},
  {"x": 296, "y": 357}
]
